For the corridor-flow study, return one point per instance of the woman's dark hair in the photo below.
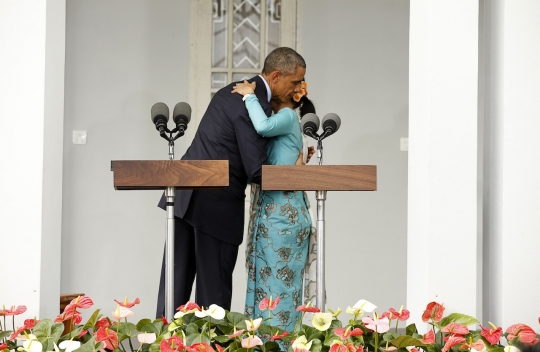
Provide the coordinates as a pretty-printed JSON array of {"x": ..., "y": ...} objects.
[{"x": 306, "y": 107}]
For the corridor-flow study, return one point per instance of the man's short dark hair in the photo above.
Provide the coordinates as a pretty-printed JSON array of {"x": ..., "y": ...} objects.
[{"x": 284, "y": 60}]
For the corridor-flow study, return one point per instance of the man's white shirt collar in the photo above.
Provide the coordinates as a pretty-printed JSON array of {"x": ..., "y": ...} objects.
[{"x": 267, "y": 88}]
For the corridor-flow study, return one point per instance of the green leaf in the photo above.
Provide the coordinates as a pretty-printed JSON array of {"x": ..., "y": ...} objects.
[
  {"x": 196, "y": 337},
  {"x": 89, "y": 346},
  {"x": 142, "y": 323},
  {"x": 404, "y": 341},
  {"x": 5, "y": 334},
  {"x": 271, "y": 346},
  {"x": 221, "y": 338},
  {"x": 154, "y": 327},
  {"x": 92, "y": 321},
  {"x": 496, "y": 349},
  {"x": 237, "y": 319},
  {"x": 154, "y": 348},
  {"x": 56, "y": 332},
  {"x": 42, "y": 328},
  {"x": 390, "y": 336},
  {"x": 316, "y": 346},
  {"x": 411, "y": 329},
  {"x": 457, "y": 318},
  {"x": 189, "y": 318}
]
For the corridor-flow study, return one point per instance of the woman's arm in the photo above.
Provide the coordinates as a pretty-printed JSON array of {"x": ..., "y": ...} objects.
[{"x": 278, "y": 124}]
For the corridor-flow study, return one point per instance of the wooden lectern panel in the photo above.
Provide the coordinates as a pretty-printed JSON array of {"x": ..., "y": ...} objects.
[
  {"x": 319, "y": 178},
  {"x": 159, "y": 174}
]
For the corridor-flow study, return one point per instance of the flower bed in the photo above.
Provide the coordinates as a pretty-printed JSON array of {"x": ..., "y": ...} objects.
[{"x": 195, "y": 329}]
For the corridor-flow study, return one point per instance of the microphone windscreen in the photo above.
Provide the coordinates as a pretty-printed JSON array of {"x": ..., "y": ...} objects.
[
  {"x": 331, "y": 120},
  {"x": 160, "y": 111},
  {"x": 311, "y": 120},
  {"x": 182, "y": 111}
]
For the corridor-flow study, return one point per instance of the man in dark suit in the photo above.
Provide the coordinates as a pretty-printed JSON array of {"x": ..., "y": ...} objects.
[{"x": 209, "y": 225}]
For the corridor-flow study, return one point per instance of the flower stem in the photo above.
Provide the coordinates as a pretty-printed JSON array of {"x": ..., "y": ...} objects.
[
  {"x": 129, "y": 338},
  {"x": 397, "y": 323},
  {"x": 376, "y": 341}
]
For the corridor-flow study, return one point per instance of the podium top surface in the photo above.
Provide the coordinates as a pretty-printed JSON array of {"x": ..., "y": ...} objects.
[
  {"x": 160, "y": 174},
  {"x": 319, "y": 178}
]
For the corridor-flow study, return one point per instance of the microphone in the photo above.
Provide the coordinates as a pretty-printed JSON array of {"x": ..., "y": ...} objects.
[
  {"x": 331, "y": 123},
  {"x": 182, "y": 116},
  {"x": 160, "y": 117},
  {"x": 310, "y": 125}
]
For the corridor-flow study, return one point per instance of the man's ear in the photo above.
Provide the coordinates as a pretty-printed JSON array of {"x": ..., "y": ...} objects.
[{"x": 275, "y": 76}]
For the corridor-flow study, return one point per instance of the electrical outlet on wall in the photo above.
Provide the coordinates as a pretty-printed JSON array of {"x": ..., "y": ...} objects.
[
  {"x": 79, "y": 137},
  {"x": 404, "y": 144}
]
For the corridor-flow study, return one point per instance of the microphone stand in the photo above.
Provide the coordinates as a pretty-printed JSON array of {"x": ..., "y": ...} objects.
[
  {"x": 170, "y": 193},
  {"x": 321, "y": 198}
]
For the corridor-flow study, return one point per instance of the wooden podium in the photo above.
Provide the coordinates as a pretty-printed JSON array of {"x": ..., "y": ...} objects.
[
  {"x": 170, "y": 175},
  {"x": 319, "y": 178}
]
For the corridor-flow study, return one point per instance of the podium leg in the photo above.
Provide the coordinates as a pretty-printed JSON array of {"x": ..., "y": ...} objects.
[
  {"x": 169, "y": 255},
  {"x": 321, "y": 197}
]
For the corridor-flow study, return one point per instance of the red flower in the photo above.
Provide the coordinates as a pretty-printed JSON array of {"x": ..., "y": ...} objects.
[
  {"x": 268, "y": 303},
  {"x": 81, "y": 302},
  {"x": 478, "y": 345},
  {"x": 456, "y": 329},
  {"x": 279, "y": 337},
  {"x": 103, "y": 322},
  {"x": 491, "y": 335},
  {"x": 189, "y": 306},
  {"x": 82, "y": 333},
  {"x": 452, "y": 341},
  {"x": 76, "y": 316},
  {"x": 30, "y": 323},
  {"x": 12, "y": 311},
  {"x": 3, "y": 346},
  {"x": 16, "y": 333},
  {"x": 200, "y": 347},
  {"x": 344, "y": 334},
  {"x": 337, "y": 347},
  {"x": 433, "y": 311},
  {"x": 164, "y": 320},
  {"x": 428, "y": 338},
  {"x": 108, "y": 337},
  {"x": 219, "y": 348},
  {"x": 308, "y": 309},
  {"x": 352, "y": 348},
  {"x": 171, "y": 344},
  {"x": 402, "y": 315},
  {"x": 525, "y": 333},
  {"x": 128, "y": 304}
]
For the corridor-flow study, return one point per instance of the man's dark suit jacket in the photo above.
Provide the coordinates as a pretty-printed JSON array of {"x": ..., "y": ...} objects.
[{"x": 225, "y": 133}]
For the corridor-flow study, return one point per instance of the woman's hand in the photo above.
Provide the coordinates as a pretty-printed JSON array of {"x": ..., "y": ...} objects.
[
  {"x": 300, "y": 160},
  {"x": 244, "y": 88}
]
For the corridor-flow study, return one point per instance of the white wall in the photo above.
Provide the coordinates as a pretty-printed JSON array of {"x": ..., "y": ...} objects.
[
  {"x": 515, "y": 191},
  {"x": 357, "y": 66},
  {"x": 31, "y": 91},
  {"x": 121, "y": 58}
]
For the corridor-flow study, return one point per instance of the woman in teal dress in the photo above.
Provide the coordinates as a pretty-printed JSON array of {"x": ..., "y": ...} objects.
[{"x": 277, "y": 255}]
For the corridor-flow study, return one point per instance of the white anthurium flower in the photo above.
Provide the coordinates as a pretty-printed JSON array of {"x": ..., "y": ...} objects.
[
  {"x": 253, "y": 325},
  {"x": 511, "y": 349},
  {"x": 213, "y": 311},
  {"x": 55, "y": 346},
  {"x": 322, "y": 321},
  {"x": 26, "y": 337},
  {"x": 32, "y": 346},
  {"x": 121, "y": 313},
  {"x": 301, "y": 344},
  {"x": 365, "y": 306},
  {"x": 69, "y": 345},
  {"x": 146, "y": 337}
]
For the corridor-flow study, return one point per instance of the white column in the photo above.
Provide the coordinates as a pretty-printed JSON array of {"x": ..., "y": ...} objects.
[
  {"x": 444, "y": 247},
  {"x": 514, "y": 222},
  {"x": 32, "y": 35}
]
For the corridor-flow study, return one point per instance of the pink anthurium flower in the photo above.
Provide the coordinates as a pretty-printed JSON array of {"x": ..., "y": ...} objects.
[
  {"x": 253, "y": 325},
  {"x": 171, "y": 344},
  {"x": 476, "y": 346},
  {"x": 525, "y": 333},
  {"x": 492, "y": 335},
  {"x": 146, "y": 337},
  {"x": 456, "y": 329},
  {"x": 402, "y": 314},
  {"x": 3, "y": 346},
  {"x": 235, "y": 333},
  {"x": 128, "y": 304},
  {"x": 307, "y": 308},
  {"x": 278, "y": 337},
  {"x": 121, "y": 313},
  {"x": 82, "y": 302},
  {"x": 453, "y": 341},
  {"x": 108, "y": 337},
  {"x": 268, "y": 303},
  {"x": 377, "y": 325},
  {"x": 428, "y": 338},
  {"x": 344, "y": 334},
  {"x": 433, "y": 311},
  {"x": 338, "y": 347},
  {"x": 200, "y": 347},
  {"x": 251, "y": 341},
  {"x": 12, "y": 311}
]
